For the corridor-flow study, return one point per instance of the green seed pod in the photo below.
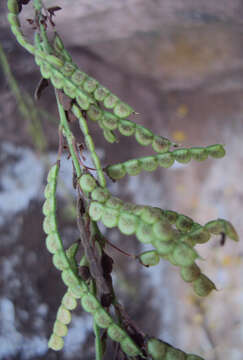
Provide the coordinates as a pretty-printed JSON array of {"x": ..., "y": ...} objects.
[
  {"x": 139, "y": 209},
  {"x": 60, "y": 329},
  {"x": 114, "y": 203},
  {"x": 215, "y": 226},
  {"x": 63, "y": 315},
  {"x": 193, "y": 357},
  {"x": 116, "y": 171},
  {"x": 149, "y": 214},
  {"x": 77, "y": 291},
  {"x": 68, "y": 69},
  {"x": 101, "y": 93},
  {"x": 184, "y": 254},
  {"x": 203, "y": 285},
  {"x": 126, "y": 127},
  {"x": 46, "y": 72},
  {"x": 182, "y": 155},
  {"x": 110, "y": 217},
  {"x": 127, "y": 223},
  {"x": 129, "y": 347},
  {"x": 199, "y": 236},
  {"x": 69, "y": 278},
  {"x": 90, "y": 85},
  {"x": 49, "y": 190},
  {"x": 49, "y": 224},
  {"x": 116, "y": 333},
  {"x": 78, "y": 77},
  {"x": 49, "y": 206},
  {"x": 172, "y": 216},
  {"x": 56, "y": 342},
  {"x": 122, "y": 110},
  {"x": 163, "y": 231},
  {"x": 174, "y": 354},
  {"x": 109, "y": 121},
  {"x": 230, "y": 231},
  {"x": 87, "y": 183},
  {"x": 165, "y": 160},
  {"x": 70, "y": 89},
  {"x": 149, "y": 163},
  {"x": 216, "y": 151},
  {"x": 13, "y": 20},
  {"x": 110, "y": 101},
  {"x": 144, "y": 233},
  {"x": 109, "y": 136},
  {"x": 56, "y": 81},
  {"x": 199, "y": 153},
  {"x": 160, "y": 144},
  {"x": 71, "y": 252},
  {"x": 170, "y": 258},
  {"x": 156, "y": 349},
  {"x": 96, "y": 210},
  {"x": 60, "y": 260},
  {"x": 100, "y": 194},
  {"x": 83, "y": 100},
  {"x": 55, "y": 61},
  {"x": 52, "y": 174},
  {"x": 102, "y": 318},
  {"x": 90, "y": 303},
  {"x": 69, "y": 301},
  {"x": 13, "y": 7},
  {"x": 94, "y": 113},
  {"x": 190, "y": 273},
  {"x": 133, "y": 167},
  {"x": 57, "y": 43},
  {"x": 164, "y": 247},
  {"x": 53, "y": 243},
  {"x": 90, "y": 145},
  {"x": 184, "y": 223},
  {"x": 143, "y": 136},
  {"x": 128, "y": 207},
  {"x": 149, "y": 258}
]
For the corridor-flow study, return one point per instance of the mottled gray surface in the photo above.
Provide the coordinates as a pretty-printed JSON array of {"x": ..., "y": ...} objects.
[{"x": 179, "y": 64}]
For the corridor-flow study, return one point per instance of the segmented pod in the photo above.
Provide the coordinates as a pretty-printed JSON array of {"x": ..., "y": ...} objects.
[
  {"x": 149, "y": 214},
  {"x": 110, "y": 217},
  {"x": 182, "y": 155},
  {"x": 64, "y": 315},
  {"x": 102, "y": 318},
  {"x": 87, "y": 183},
  {"x": 90, "y": 303},
  {"x": 129, "y": 347},
  {"x": 128, "y": 223},
  {"x": 101, "y": 93},
  {"x": 166, "y": 160},
  {"x": 216, "y": 151},
  {"x": 190, "y": 273},
  {"x": 156, "y": 348},
  {"x": 149, "y": 163},
  {"x": 203, "y": 285},
  {"x": 133, "y": 167},
  {"x": 143, "y": 136},
  {"x": 100, "y": 194},
  {"x": 184, "y": 223},
  {"x": 164, "y": 247},
  {"x": 109, "y": 136},
  {"x": 109, "y": 121},
  {"x": 56, "y": 342},
  {"x": 114, "y": 202},
  {"x": 184, "y": 255},
  {"x": 126, "y": 127},
  {"x": 174, "y": 354},
  {"x": 60, "y": 329},
  {"x": 110, "y": 101},
  {"x": 149, "y": 258},
  {"x": 116, "y": 172},
  {"x": 193, "y": 357},
  {"x": 163, "y": 231},
  {"x": 96, "y": 210},
  {"x": 199, "y": 153},
  {"x": 161, "y": 144},
  {"x": 69, "y": 301},
  {"x": 116, "y": 333}
]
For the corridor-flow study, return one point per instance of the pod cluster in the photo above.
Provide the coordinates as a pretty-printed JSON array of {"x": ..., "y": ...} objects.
[
  {"x": 77, "y": 288},
  {"x": 160, "y": 350},
  {"x": 150, "y": 163}
]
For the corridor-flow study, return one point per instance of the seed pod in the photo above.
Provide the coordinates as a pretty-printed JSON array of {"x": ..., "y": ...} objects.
[
  {"x": 60, "y": 260},
  {"x": 63, "y": 315},
  {"x": 78, "y": 77},
  {"x": 53, "y": 243},
  {"x": 116, "y": 333},
  {"x": 160, "y": 144},
  {"x": 116, "y": 171},
  {"x": 60, "y": 329},
  {"x": 13, "y": 7},
  {"x": 128, "y": 223},
  {"x": 69, "y": 301},
  {"x": 69, "y": 278},
  {"x": 149, "y": 163},
  {"x": 163, "y": 231},
  {"x": 49, "y": 206},
  {"x": 164, "y": 247},
  {"x": 129, "y": 347},
  {"x": 68, "y": 69},
  {"x": 77, "y": 291},
  {"x": 184, "y": 223},
  {"x": 94, "y": 113},
  {"x": 174, "y": 354},
  {"x": 49, "y": 224},
  {"x": 57, "y": 43},
  {"x": 100, "y": 194},
  {"x": 96, "y": 210},
  {"x": 56, "y": 342},
  {"x": 110, "y": 136},
  {"x": 100, "y": 93},
  {"x": 139, "y": 209},
  {"x": 53, "y": 60},
  {"x": 90, "y": 85},
  {"x": 109, "y": 121},
  {"x": 184, "y": 254},
  {"x": 203, "y": 285},
  {"x": 193, "y": 357},
  {"x": 126, "y": 127},
  {"x": 144, "y": 233},
  {"x": 133, "y": 167},
  {"x": 215, "y": 226},
  {"x": 199, "y": 236},
  {"x": 114, "y": 203},
  {"x": 70, "y": 89},
  {"x": 190, "y": 273},
  {"x": 166, "y": 160},
  {"x": 87, "y": 183},
  {"x": 122, "y": 110},
  {"x": 90, "y": 303},
  {"x": 46, "y": 72},
  {"x": 102, "y": 318},
  {"x": 182, "y": 155},
  {"x": 13, "y": 20},
  {"x": 156, "y": 349},
  {"x": 110, "y": 101},
  {"x": 110, "y": 217},
  {"x": 199, "y": 153},
  {"x": 143, "y": 136},
  {"x": 230, "y": 231},
  {"x": 83, "y": 100},
  {"x": 216, "y": 151},
  {"x": 149, "y": 214},
  {"x": 149, "y": 258},
  {"x": 172, "y": 216}
]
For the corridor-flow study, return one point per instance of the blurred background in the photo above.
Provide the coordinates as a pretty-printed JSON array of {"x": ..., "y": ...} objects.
[{"x": 179, "y": 64}]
